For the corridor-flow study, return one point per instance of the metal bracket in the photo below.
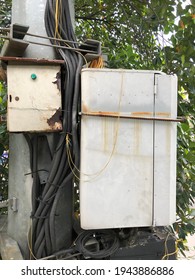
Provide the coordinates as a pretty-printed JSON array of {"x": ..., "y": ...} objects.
[
  {"x": 93, "y": 46},
  {"x": 13, "y": 202},
  {"x": 16, "y": 45}
]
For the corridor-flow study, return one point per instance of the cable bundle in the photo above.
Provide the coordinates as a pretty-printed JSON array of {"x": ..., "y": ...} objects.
[
  {"x": 42, "y": 239},
  {"x": 107, "y": 240}
]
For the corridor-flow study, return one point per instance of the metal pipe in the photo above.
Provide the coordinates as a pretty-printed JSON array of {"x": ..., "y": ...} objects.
[{"x": 117, "y": 115}]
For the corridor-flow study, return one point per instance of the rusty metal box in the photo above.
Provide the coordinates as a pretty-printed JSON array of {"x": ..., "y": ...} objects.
[
  {"x": 34, "y": 98},
  {"x": 128, "y": 148}
]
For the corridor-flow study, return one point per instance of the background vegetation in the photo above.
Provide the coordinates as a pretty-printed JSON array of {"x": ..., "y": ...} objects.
[
  {"x": 143, "y": 34},
  {"x": 5, "y": 17}
]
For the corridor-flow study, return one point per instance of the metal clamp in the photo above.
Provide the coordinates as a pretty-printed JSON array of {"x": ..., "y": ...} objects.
[{"x": 13, "y": 202}]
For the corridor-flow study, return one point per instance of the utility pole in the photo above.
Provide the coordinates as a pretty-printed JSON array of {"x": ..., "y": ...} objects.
[{"x": 29, "y": 13}]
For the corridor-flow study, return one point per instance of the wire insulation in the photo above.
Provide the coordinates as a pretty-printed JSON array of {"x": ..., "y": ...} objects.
[{"x": 42, "y": 234}]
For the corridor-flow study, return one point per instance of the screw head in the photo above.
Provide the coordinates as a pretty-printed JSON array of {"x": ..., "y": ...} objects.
[{"x": 33, "y": 76}]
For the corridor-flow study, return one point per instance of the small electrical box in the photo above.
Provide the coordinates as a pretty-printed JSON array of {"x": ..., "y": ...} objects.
[
  {"x": 128, "y": 149},
  {"x": 34, "y": 98}
]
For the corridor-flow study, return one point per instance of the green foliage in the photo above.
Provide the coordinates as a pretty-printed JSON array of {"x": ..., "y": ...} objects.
[
  {"x": 155, "y": 34},
  {"x": 5, "y": 12},
  {"x": 5, "y": 17},
  {"x": 3, "y": 144}
]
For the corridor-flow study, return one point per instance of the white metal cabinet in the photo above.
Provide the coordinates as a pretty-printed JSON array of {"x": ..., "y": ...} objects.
[
  {"x": 127, "y": 172},
  {"x": 34, "y": 99}
]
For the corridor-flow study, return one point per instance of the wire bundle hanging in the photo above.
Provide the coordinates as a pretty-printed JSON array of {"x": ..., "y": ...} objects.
[{"x": 42, "y": 236}]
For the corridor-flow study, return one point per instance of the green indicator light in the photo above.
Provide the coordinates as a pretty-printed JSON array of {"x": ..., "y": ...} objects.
[{"x": 33, "y": 76}]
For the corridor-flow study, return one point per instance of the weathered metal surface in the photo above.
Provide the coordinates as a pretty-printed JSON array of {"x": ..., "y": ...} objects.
[
  {"x": 165, "y": 143},
  {"x": 27, "y": 60},
  {"x": 119, "y": 155},
  {"x": 117, "y": 192},
  {"x": 55, "y": 121},
  {"x": 132, "y": 117},
  {"x": 34, "y": 99}
]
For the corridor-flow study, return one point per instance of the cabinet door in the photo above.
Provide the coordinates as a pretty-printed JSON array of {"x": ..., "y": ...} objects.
[
  {"x": 34, "y": 100},
  {"x": 117, "y": 154}
]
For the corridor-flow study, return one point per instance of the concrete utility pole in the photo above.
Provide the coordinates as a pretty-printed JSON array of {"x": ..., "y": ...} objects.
[{"x": 30, "y": 13}]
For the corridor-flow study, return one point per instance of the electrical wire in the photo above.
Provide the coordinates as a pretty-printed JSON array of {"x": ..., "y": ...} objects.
[
  {"x": 66, "y": 158},
  {"x": 106, "y": 240},
  {"x": 75, "y": 170},
  {"x": 97, "y": 63},
  {"x": 43, "y": 232},
  {"x": 167, "y": 254}
]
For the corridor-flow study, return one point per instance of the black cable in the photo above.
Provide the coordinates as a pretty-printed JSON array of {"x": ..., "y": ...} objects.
[
  {"x": 60, "y": 175},
  {"x": 106, "y": 240}
]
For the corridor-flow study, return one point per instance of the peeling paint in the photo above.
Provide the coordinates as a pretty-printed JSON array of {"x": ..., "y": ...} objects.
[
  {"x": 54, "y": 122},
  {"x": 58, "y": 81}
]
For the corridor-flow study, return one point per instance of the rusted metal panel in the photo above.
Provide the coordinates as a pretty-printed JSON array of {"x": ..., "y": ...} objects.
[
  {"x": 27, "y": 60},
  {"x": 116, "y": 153},
  {"x": 121, "y": 124},
  {"x": 134, "y": 117},
  {"x": 34, "y": 98}
]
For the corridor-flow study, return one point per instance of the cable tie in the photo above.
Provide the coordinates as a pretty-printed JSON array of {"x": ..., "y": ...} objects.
[
  {"x": 52, "y": 184},
  {"x": 39, "y": 217},
  {"x": 41, "y": 200}
]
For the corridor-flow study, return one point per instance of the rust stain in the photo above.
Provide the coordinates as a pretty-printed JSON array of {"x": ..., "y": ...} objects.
[
  {"x": 84, "y": 108},
  {"x": 163, "y": 114},
  {"x": 100, "y": 113},
  {"x": 58, "y": 81},
  {"x": 32, "y": 60},
  {"x": 135, "y": 115},
  {"x": 141, "y": 113},
  {"x": 54, "y": 122}
]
